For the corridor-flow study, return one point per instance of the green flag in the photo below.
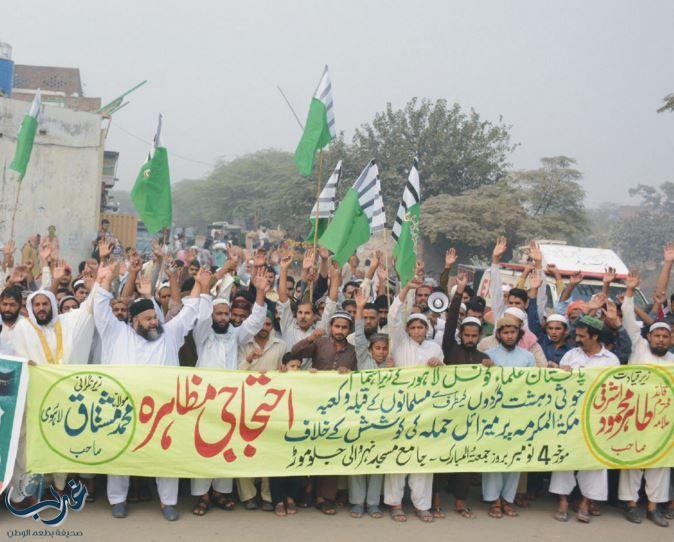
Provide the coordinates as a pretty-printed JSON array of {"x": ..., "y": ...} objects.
[
  {"x": 151, "y": 194},
  {"x": 360, "y": 213},
  {"x": 405, "y": 231},
  {"x": 319, "y": 129},
  {"x": 25, "y": 139}
]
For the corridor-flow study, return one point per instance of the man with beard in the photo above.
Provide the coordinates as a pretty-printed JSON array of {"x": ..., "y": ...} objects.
[
  {"x": 10, "y": 311},
  {"x": 653, "y": 350},
  {"x": 593, "y": 484},
  {"x": 329, "y": 353},
  {"x": 144, "y": 342},
  {"x": 301, "y": 326},
  {"x": 461, "y": 352},
  {"x": 47, "y": 337},
  {"x": 370, "y": 319},
  {"x": 382, "y": 304},
  {"x": 410, "y": 348},
  {"x": 217, "y": 337},
  {"x": 499, "y": 488}
]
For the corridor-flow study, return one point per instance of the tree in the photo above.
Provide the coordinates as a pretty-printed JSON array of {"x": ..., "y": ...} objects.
[
  {"x": 554, "y": 198},
  {"x": 472, "y": 221},
  {"x": 640, "y": 236},
  {"x": 262, "y": 187},
  {"x": 457, "y": 150}
]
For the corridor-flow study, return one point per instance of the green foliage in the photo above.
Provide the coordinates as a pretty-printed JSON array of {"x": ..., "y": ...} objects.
[
  {"x": 264, "y": 187},
  {"x": 639, "y": 238},
  {"x": 541, "y": 203},
  {"x": 554, "y": 199},
  {"x": 457, "y": 150}
]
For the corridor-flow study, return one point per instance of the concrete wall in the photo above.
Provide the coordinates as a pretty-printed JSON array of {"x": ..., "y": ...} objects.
[{"x": 62, "y": 185}]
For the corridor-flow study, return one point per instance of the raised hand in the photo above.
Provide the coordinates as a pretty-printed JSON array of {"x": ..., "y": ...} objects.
[
  {"x": 59, "y": 271},
  {"x": 105, "y": 247},
  {"x": 659, "y": 298},
  {"x": 145, "y": 287},
  {"x": 609, "y": 275},
  {"x": 203, "y": 278},
  {"x": 597, "y": 301},
  {"x": 335, "y": 274},
  {"x": 611, "y": 314},
  {"x": 316, "y": 334},
  {"x": 633, "y": 279},
  {"x": 499, "y": 249},
  {"x": 669, "y": 252},
  {"x": 535, "y": 252},
  {"x": 45, "y": 251},
  {"x": 450, "y": 258},
  {"x": 552, "y": 269},
  {"x": 136, "y": 264},
  {"x": 419, "y": 269},
  {"x": 360, "y": 298},
  {"x": 528, "y": 268},
  {"x": 535, "y": 281},
  {"x": 89, "y": 279},
  {"x": 576, "y": 278},
  {"x": 308, "y": 260},
  {"x": 286, "y": 261},
  {"x": 461, "y": 281},
  {"x": 260, "y": 281},
  {"x": 19, "y": 274}
]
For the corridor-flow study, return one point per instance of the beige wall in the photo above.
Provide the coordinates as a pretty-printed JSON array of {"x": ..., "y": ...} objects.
[{"x": 63, "y": 181}]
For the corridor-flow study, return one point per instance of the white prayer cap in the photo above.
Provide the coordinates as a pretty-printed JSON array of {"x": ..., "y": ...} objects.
[
  {"x": 163, "y": 285},
  {"x": 219, "y": 246},
  {"x": 471, "y": 320},
  {"x": 660, "y": 325},
  {"x": 77, "y": 283},
  {"x": 558, "y": 318},
  {"x": 463, "y": 307},
  {"x": 220, "y": 301},
  {"x": 417, "y": 316},
  {"x": 505, "y": 288},
  {"x": 517, "y": 313}
]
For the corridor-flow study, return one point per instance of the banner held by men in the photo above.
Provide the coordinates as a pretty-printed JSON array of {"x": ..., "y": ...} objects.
[{"x": 183, "y": 422}]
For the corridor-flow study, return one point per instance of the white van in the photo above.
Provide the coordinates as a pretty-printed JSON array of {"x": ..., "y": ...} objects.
[{"x": 592, "y": 262}]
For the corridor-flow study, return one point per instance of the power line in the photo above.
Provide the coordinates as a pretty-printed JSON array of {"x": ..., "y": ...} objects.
[{"x": 173, "y": 154}]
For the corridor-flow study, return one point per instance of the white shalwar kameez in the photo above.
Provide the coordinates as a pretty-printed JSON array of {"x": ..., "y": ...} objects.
[
  {"x": 593, "y": 484},
  {"x": 76, "y": 332},
  {"x": 409, "y": 353},
  {"x": 125, "y": 346},
  {"x": 219, "y": 351},
  {"x": 657, "y": 480}
]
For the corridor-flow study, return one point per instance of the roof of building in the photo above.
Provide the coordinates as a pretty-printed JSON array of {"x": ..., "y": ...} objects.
[{"x": 66, "y": 80}]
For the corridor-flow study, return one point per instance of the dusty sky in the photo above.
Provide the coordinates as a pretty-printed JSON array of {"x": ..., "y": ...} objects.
[{"x": 574, "y": 77}]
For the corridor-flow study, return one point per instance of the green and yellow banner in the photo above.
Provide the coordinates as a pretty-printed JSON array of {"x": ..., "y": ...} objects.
[{"x": 184, "y": 422}]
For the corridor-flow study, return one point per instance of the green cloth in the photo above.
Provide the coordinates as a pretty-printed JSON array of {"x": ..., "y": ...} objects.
[
  {"x": 316, "y": 136},
  {"x": 151, "y": 194},
  {"x": 405, "y": 250},
  {"x": 348, "y": 230}
]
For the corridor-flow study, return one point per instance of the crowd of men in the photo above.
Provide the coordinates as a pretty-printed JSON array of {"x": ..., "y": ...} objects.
[{"x": 272, "y": 309}]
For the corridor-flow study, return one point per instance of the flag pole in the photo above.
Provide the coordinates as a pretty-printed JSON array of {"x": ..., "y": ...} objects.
[
  {"x": 318, "y": 195},
  {"x": 16, "y": 207},
  {"x": 388, "y": 283}
]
